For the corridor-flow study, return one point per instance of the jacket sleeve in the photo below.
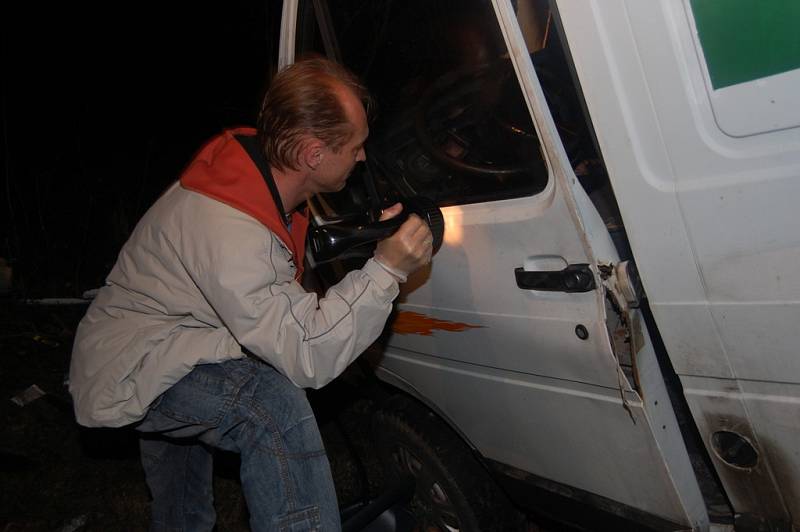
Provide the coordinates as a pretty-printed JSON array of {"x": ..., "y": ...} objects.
[{"x": 247, "y": 277}]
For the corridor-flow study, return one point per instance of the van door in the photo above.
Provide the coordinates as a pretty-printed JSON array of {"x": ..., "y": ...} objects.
[{"x": 508, "y": 333}]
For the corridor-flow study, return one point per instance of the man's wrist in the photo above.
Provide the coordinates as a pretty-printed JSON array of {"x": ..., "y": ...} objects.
[{"x": 399, "y": 276}]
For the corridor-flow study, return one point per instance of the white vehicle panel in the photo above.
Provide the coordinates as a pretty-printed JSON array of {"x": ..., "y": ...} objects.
[
  {"x": 578, "y": 434},
  {"x": 711, "y": 222},
  {"x": 766, "y": 415}
]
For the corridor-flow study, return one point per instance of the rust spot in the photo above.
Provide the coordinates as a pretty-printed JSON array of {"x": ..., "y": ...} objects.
[{"x": 415, "y": 323}]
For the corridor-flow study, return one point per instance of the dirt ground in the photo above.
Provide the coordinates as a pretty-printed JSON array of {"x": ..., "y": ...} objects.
[{"x": 57, "y": 476}]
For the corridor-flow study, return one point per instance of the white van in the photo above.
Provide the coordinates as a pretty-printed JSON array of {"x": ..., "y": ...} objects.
[{"x": 566, "y": 141}]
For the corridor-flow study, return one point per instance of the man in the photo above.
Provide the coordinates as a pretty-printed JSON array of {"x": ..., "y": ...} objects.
[{"x": 202, "y": 334}]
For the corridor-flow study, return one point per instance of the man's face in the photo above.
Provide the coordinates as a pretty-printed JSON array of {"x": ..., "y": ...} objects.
[{"x": 335, "y": 166}]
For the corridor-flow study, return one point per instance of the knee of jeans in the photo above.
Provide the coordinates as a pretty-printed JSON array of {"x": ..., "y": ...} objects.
[
  {"x": 284, "y": 408},
  {"x": 302, "y": 439},
  {"x": 304, "y": 520},
  {"x": 285, "y": 397}
]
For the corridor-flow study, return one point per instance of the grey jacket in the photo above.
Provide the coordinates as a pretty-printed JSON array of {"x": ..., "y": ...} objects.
[{"x": 197, "y": 281}]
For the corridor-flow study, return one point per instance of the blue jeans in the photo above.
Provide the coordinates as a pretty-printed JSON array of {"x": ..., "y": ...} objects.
[{"x": 244, "y": 406}]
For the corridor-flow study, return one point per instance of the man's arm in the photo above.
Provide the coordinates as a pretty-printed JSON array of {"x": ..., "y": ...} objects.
[{"x": 309, "y": 339}]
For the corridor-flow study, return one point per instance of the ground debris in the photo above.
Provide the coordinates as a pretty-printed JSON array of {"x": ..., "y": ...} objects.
[
  {"x": 74, "y": 524},
  {"x": 29, "y": 395}
]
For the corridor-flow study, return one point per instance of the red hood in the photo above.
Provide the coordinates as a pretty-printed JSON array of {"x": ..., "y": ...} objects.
[{"x": 224, "y": 171}]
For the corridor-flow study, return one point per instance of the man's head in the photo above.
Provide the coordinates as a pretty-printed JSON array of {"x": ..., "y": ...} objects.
[{"x": 313, "y": 119}]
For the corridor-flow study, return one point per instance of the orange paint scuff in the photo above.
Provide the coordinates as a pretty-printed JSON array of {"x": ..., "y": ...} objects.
[{"x": 415, "y": 323}]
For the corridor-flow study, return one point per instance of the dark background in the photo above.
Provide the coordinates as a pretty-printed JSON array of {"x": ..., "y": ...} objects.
[{"x": 102, "y": 106}]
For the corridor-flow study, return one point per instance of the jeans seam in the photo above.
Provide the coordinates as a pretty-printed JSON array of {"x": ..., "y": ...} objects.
[
  {"x": 277, "y": 450},
  {"x": 185, "y": 484}
]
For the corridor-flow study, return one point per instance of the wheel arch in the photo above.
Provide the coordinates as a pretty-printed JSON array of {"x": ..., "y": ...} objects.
[{"x": 395, "y": 382}]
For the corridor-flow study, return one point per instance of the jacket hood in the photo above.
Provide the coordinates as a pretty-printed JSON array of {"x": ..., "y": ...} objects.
[{"x": 224, "y": 171}]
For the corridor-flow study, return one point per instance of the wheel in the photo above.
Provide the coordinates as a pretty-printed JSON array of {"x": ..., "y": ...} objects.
[{"x": 454, "y": 492}]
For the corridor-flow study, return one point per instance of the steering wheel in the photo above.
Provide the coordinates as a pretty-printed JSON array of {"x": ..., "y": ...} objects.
[{"x": 457, "y": 106}]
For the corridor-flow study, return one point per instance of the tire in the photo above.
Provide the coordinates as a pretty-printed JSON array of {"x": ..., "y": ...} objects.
[{"x": 454, "y": 492}]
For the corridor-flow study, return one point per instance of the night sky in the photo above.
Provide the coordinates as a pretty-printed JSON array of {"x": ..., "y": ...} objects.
[{"x": 102, "y": 108}]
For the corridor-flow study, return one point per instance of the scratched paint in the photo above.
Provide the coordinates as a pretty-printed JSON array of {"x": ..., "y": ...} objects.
[{"x": 408, "y": 322}]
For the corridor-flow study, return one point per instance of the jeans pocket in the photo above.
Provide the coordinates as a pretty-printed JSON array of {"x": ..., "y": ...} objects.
[{"x": 304, "y": 520}]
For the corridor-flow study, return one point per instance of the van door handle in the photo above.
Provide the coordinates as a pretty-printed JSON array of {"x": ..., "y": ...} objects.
[{"x": 573, "y": 278}]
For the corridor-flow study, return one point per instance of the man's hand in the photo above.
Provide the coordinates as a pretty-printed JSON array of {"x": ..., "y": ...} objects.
[{"x": 409, "y": 248}]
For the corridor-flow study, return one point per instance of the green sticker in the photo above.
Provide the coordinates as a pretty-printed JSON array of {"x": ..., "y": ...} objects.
[{"x": 744, "y": 40}]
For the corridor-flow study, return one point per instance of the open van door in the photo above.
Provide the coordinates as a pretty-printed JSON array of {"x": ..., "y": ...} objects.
[{"x": 518, "y": 333}]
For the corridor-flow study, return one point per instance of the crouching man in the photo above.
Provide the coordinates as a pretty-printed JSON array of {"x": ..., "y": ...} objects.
[{"x": 203, "y": 336}]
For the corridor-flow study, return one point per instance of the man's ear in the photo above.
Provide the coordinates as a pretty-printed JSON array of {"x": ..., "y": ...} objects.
[{"x": 313, "y": 153}]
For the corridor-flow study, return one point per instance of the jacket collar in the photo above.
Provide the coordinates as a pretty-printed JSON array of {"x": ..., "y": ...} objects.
[{"x": 224, "y": 171}]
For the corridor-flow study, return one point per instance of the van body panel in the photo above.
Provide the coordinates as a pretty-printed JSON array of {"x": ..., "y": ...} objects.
[
  {"x": 765, "y": 414},
  {"x": 710, "y": 218},
  {"x": 578, "y": 435}
]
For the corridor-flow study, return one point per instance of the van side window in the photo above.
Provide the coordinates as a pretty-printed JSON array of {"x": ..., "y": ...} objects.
[{"x": 451, "y": 121}]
